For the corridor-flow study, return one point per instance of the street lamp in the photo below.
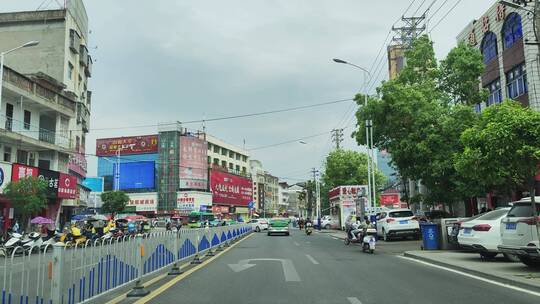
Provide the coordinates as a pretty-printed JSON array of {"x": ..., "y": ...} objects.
[
  {"x": 3, "y": 54},
  {"x": 369, "y": 137}
]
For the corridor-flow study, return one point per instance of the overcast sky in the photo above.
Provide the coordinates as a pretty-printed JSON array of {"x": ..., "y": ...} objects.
[{"x": 161, "y": 61}]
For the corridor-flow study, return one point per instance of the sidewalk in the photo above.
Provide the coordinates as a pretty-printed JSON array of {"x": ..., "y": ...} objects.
[{"x": 498, "y": 269}]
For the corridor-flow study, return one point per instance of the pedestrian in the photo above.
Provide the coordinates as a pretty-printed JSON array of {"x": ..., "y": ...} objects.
[
  {"x": 16, "y": 227},
  {"x": 168, "y": 226}
]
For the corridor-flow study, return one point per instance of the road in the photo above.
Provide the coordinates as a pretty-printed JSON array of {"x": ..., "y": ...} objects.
[{"x": 320, "y": 269}]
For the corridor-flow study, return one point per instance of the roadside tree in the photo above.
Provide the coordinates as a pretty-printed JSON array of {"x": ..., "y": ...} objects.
[
  {"x": 28, "y": 197},
  {"x": 114, "y": 202}
]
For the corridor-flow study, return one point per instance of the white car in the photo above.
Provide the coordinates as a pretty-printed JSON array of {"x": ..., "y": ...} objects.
[
  {"x": 328, "y": 222},
  {"x": 519, "y": 232},
  {"x": 259, "y": 224},
  {"x": 483, "y": 234},
  {"x": 397, "y": 223}
]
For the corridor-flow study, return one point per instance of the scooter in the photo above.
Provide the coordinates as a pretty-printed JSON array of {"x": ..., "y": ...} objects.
[
  {"x": 35, "y": 241},
  {"x": 348, "y": 240},
  {"x": 14, "y": 241},
  {"x": 309, "y": 228},
  {"x": 369, "y": 240}
]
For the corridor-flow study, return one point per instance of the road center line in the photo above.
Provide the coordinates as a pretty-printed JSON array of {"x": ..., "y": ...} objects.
[
  {"x": 353, "y": 300},
  {"x": 473, "y": 276},
  {"x": 296, "y": 243},
  {"x": 312, "y": 259}
]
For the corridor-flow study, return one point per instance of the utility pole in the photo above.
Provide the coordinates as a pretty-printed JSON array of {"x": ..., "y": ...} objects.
[
  {"x": 411, "y": 29},
  {"x": 318, "y": 196},
  {"x": 117, "y": 188},
  {"x": 337, "y": 137}
]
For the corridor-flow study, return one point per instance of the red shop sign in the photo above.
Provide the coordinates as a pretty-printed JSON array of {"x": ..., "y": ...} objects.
[
  {"x": 229, "y": 189},
  {"x": 19, "y": 171},
  {"x": 67, "y": 186}
]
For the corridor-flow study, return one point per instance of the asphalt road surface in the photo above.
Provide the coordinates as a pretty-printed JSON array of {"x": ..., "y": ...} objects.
[{"x": 320, "y": 269}]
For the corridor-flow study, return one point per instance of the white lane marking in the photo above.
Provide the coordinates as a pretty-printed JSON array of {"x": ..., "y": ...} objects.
[
  {"x": 308, "y": 242},
  {"x": 335, "y": 238},
  {"x": 473, "y": 276},
  {"x": 296, "y": 243},
  {"x": 312, "y": 259},
  {"x": 353, "y": 300}
]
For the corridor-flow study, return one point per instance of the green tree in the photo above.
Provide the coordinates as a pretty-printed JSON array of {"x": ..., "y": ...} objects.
[
  {"x": 28, "y": 197},
  {"x": 420, "y": 115},
  {"x": 502, "y": 149},
  {"x": 114, "y": 202}
]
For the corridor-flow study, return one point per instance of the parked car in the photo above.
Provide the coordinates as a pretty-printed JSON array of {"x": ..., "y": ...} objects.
[
  {"x": 259, "y": 224},
  {"x": 397, "y": 223},
  {"x": 483, "y": 234},
  {"x": 329, "y": 222},
  {"x": 519, "y": 232},
  {"x": 278, "y": 225}
]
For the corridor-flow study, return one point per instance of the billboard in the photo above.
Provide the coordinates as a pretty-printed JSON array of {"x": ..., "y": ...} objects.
[
  {"x": 143, "y": 202},
  {"x": 189, "y": 201},
  {"x": 193, "y": 171},
  {"x": 230, "y": 189},
  {"x": 95, "y": 184},
  {"x": 67, "y": 186},
  {"x": 127, "y": 145},
  {"x": 135, "y": 175}
]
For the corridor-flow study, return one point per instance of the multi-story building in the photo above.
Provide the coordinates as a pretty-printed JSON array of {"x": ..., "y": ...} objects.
[
  {"x": 271, "y": 199},
  {"x": 501, "y": 34},
  {"x": 283, "y": 197},
  {"x": 257, "y": 176},
  {"x": 511, "y": 65},
  {"x": 45, "y": 106},
  {"x": 225, "y": 155}
]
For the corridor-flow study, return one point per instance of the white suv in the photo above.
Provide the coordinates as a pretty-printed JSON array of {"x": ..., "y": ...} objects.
[
  {"x": 259, "y": 224},
  {"x": 519, "y": 232},
  {"x": 397, "y": 223}
]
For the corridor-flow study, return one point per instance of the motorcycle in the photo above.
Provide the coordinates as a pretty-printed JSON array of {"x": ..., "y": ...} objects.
[
  {"x": 309, "y": 228},
  {"x": 35, "y": 240},
  {"x": 369, "y": 240}
]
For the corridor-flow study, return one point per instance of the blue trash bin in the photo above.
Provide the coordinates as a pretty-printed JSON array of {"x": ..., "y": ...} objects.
[{"x": 430, "y": 236}]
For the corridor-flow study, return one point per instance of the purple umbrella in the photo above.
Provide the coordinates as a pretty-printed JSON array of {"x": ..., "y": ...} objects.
[{"x": 41, "y": 220}]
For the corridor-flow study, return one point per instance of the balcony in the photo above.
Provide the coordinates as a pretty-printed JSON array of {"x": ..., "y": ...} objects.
[
  {"x": 83, "y": 116},
  {"x": 83, "y": 55},
  {"x": 88, "y": 67},
  {"x": 74, "y": 41},
  {"x": 23, "y": 86},
  {"x": 32, "y": 134}
]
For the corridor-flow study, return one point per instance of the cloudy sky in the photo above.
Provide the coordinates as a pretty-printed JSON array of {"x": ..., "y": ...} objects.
[{"x": 162, "y": 61}]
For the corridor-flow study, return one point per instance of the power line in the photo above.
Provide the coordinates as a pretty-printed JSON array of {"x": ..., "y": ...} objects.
[{"x": 444, "y": 17}]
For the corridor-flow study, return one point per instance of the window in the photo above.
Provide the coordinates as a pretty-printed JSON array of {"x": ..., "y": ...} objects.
[
  {"x": 9, "y": 116},
  {"x": 77, "y": 143},
  {"x": 523, "y": 210},
  {"x": 489, "y": 47},
  {"x": 32, "y": 158},
  {"x": 44, "y": 164},
  {"x": 209, "y": 147},
  {"x": 27, "y": 117},
  {"x": 22, "y": 157},
  {"x": 237, "y": 156},
  {"x": 238, "y": 168},
  {"x": 477, "y": 108},
  {"x": 216, "y": 161},
  {"x": 224, "y": 151},
  {"x": 231, "y": 166},
  {"x": 216, "y": 149},
  {"x": 243, "y": 169},
  {"x": 209, "y": 160},
  {"x": 495, "y": 93},
  {"x": 512, "y": 31},
  {"x": 224, "y": 164},
  {"x": 70, "y": 71},
  {"x": 231, "y": 154},
  {"x": 516, "y": 80},
  {"x": 7, "y": 154},
  {"x": 244, "y": 158}
]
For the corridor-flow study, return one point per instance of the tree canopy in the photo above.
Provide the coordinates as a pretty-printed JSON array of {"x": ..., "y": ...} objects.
[
  {"x": 114, "y": 201},
  {"x": 27, "y": 195}
]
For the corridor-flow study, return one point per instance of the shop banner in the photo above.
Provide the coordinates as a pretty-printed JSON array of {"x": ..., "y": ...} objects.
[
  {"x": 189, "y": 201},
  {"x": 143, "y": 202},
  {"x": 230, "y": 189},
  {"x": 52, "y": 178},
  {"x": 19, "y": 171},
  {"x": 127, "y": 145},
  {"x": 193, "y": 163},
  {"x": 389, "y": 199},
  {"x": 67, "y": 187},
  {"x": 77, "y": 163},
  {"x": 5, "y": 175},
  {"x": 220, "y": 209}
]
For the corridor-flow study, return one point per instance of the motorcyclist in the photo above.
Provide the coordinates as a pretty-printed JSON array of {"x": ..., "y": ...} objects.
[
  {"x": 365, "y": 225},
  {"x": 356, "y": 227}
]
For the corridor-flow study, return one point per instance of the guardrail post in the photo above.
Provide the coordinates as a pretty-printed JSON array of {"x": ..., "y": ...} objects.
[
  {"x": 196, "y": 259},
  {"x": 138, "y": 290},
  {"x": 175, "y": 270},
  {"x": 56, "y": 273},
  {"x": 210, "y": 252}
]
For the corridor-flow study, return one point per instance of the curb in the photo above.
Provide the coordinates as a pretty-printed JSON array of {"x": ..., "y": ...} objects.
[{"x": 481, "y": 274}]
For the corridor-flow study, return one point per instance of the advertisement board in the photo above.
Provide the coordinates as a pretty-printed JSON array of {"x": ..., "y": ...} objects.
[
  {"x": 52, "y": 178},
  {"x": 189, "y": 201},
  {"x": 143, "y": 202},
  {"x": 390, "y": 199},
  {"x": 95, "y": 184},
  {"x": 229, "y": 189},
  {"x": 135, "y": 175},
  {"x": 193, "y": 169},
  {"x": 19, "y": 171},
  {"x": 77, "y": 163},
  {"x": 127, "y": 145},
  {"x": 5, "y": 175},
  {"x": 67, "y": 186}
]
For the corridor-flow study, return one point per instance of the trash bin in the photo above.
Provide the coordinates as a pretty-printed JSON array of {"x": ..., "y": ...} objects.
[{"x": 430, "y": 236}]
